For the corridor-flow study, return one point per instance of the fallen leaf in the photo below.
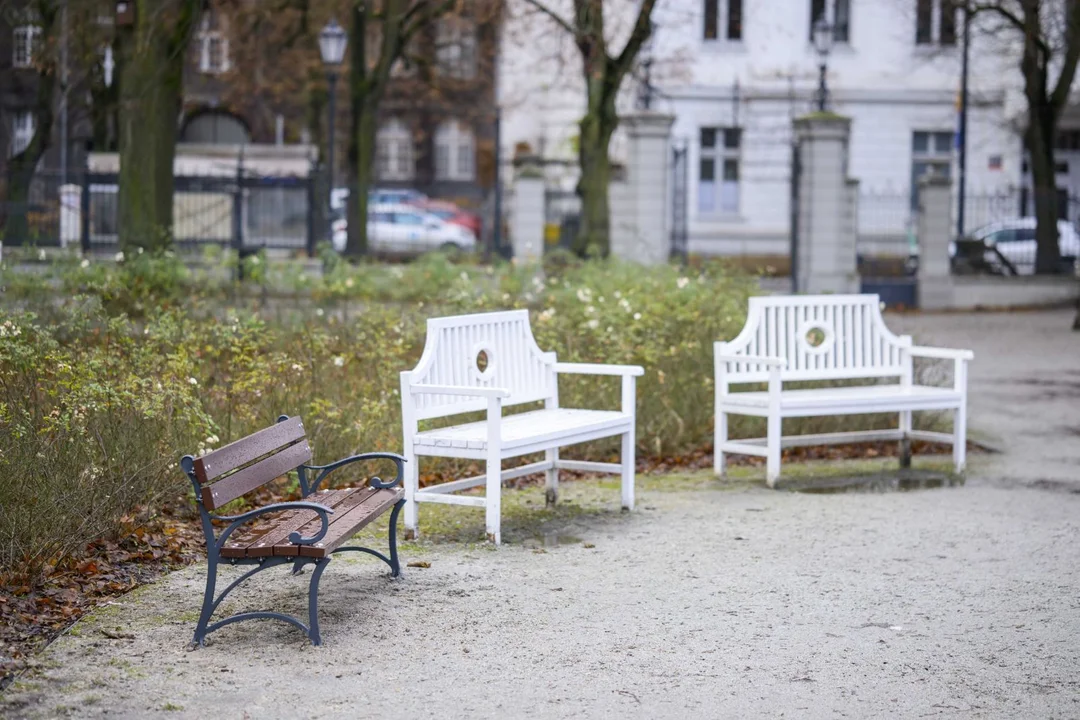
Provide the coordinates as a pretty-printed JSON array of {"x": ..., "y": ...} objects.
[{"x": 419, "y": 564}]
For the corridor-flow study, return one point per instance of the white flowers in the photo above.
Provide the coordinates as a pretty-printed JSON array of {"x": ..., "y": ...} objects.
[
  {"x": 349, "y": 282},
  {"x": 593, "y": 324},
  {"x": 584, "y": 295},
  {"x": 547, "y": 314},
  {"x": 254, "y": 260},
  {"x": 339, "y": 361},
  {"x": 119, "y": 257},
  {"x": 140, "y": 250},
  {"x": 590, "y": 310},
  {"x": 84, "y": 264},
  {"x": 319, "y": 312},
  {"x": 625, "y": 304},
  {"x": 464, "y": 276},
  {"x": 41, "y": 255},
  {"x": 682, "y": 282},
  {"x": 297, "y": 367},
  {"x": 9, "y": 329},
  {"x": 213, "y": 440},
  {"x": 192, "y": 381},
  {"x": 637, "y": 316}
]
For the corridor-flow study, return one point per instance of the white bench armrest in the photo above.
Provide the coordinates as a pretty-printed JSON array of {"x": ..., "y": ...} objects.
[
  {"x": 486, "y": 392},
  {"x": 942, "y": 353},
  {"x": 598, "y": 369},
  {"x": 753, "y": 359}
]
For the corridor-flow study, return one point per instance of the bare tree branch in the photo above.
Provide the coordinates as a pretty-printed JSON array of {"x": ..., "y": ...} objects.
[{"x": 559, "y": 20}]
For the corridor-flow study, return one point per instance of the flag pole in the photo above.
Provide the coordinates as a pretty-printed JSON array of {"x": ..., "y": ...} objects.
[{"x": 962, "y": 169}]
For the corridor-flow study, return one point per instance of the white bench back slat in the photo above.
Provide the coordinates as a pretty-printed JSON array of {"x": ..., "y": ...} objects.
[
  {"x": 515, "y": 362},
  {"x": 857, "y": 342}
]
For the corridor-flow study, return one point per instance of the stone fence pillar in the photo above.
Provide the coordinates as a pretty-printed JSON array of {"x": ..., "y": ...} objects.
[
  {"x": 640, "y": 207},
  {"x": 825, "y": 223},
  {"x": 935, "y": 234},
  {"x": 527, "y": 215}
]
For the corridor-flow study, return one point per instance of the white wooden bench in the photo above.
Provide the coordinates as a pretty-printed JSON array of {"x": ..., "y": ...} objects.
[
  {"x": 489, "y": 361},
  {"x": 827, "y": 338}
]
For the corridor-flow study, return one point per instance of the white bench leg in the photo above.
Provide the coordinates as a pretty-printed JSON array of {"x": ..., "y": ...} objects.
[
  {"x": 628, "y": 468},
  {"x": 493, "y": 499},
  {"x": 412, "y": 482},
  {"x": 551, "y": 486},
  {"x": 772, "y": 458},
  {"x": 959, "y": 448},
  {"x": 720, "y": 437}
]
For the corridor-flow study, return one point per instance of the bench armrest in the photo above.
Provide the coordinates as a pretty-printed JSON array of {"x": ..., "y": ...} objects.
[
  {"x": 599, "y": 369},
  {"x": 753, "y": 359},
  {"x": 295, "y": 537},
  {"x": 940, "y": 353},
  {"x": 485, "y": 392},
  {"x": 375, "y": 482}
]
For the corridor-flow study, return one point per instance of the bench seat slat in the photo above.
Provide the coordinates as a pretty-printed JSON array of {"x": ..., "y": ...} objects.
[
  {"x": 259, "y": 539},
  {"x": 867, "y": 398},
  {"x": 241, "y": 452},
  {"x": 527, "y": 428},
  {"x": 351, "y": 498},
  {"x": 345, "y": 525},
  {"x": 247, "y": 479}
]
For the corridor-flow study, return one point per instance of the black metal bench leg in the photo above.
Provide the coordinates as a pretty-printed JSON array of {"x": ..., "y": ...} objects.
[
  {"x": 208, "y": 604},
  {"x": 395, "y": 566},
  {"x": 313, "y": 601}
]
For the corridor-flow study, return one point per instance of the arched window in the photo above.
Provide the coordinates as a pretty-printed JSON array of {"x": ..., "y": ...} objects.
[
  {"x": 215, "y": 128},
  {"x": 394, "y": 151},
  {"x": 455, "y": 48},
  {"x": 455, "y": 152}
]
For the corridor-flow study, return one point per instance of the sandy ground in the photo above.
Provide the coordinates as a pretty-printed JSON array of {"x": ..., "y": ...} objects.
[{"x": 710, "y": 601}]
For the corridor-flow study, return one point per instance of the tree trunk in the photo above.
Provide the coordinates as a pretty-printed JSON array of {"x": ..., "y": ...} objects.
[
  {"x": 1040, "y": 144},
  {"x": 151, "y": 87},
  {"x": 361, "y": 176},
  {"x": 597, "y": 127}
]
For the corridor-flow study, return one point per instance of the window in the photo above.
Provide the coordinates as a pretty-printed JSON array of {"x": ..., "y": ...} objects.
[
  {"x": 394, "y": 152},
  {"x": 718, "y": 171},
  {"x": 935, "y": 22},
  {"x": 402, "y": 218},
  {"x": 835, "y": 12},
  {"x": 931, "y": 154},
  {"x": 22, "y": 131},
  {"x": 213, "y": 50},
  {"x": 23, "y": 40},
  {"x": 455, "y": 49},
  {"x": 455, "y": 152},
  {"x": 723, "y": 20}
]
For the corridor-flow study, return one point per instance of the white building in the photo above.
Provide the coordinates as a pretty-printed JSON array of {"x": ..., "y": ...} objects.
[{"x": 734, "y": 73}]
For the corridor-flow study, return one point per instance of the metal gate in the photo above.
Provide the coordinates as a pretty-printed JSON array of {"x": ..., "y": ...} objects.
[
  {"x": 887, "y": 247},
  {"x": 679, "y": 229}
]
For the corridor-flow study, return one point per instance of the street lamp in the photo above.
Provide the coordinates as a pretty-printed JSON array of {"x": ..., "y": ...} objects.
[
  {"x": 823, "y": 42},
  {"x": 332, "y": 42}
]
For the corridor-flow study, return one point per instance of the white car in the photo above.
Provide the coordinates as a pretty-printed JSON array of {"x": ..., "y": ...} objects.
[
  {"x": 1014, "y": 239},
  {"x": 404, "y": 229}
]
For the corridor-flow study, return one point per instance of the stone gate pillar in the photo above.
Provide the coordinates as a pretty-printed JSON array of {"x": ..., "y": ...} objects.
[
  {"x": 640, "y": 210},
  {"x": 527, "y": 216},
  {"x": 825, "y": 223}
]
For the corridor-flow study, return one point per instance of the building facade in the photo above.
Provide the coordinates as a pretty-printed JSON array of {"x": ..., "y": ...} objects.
[{"x": 736, "y": 73}]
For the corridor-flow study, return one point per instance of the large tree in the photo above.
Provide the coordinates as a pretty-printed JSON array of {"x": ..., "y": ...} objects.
[
  {"x": 604, "y": 71},
  {"x": 45, "y": 15},
  {"x": 1047, "y": 33},
  {"x": 389, "y": 26},
  {"x": 152, "y": 50}
]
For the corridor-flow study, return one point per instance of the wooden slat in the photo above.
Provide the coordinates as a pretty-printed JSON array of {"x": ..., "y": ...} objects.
[
  {"x": 259, "y": 539},
  {"x": 352, "y": 498},
  {"x": 244, "y": 450},
  {"x": 244, "y": 481},
  {"x": 346, "y": 525}
]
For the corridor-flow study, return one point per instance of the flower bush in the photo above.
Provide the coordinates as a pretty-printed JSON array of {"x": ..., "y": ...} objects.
[{"x": 126, "y": 365}]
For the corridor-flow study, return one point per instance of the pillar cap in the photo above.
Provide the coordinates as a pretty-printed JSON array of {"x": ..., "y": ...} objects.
[
  {"x": 647, "y": 122},
  {"x": 822, "y": 124}
]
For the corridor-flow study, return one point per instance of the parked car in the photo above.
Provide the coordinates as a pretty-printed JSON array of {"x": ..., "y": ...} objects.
[
  {"x": 451, "y": 213},
  {"x": 1014, "y": 240},
  {"x": 380, "y": 196},
  {"x": 399, "y": 229}
]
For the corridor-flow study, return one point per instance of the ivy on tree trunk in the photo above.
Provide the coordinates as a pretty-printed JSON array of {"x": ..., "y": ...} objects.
[{"x": 151, "y": 71}]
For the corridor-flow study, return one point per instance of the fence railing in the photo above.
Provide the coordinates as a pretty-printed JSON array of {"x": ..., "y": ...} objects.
[
  {"x": 886, "y": 234},
  {"x": 1000, "y": 233}
]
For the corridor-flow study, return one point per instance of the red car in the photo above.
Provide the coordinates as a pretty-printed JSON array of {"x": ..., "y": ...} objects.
[{"x": 451, "y": 213}]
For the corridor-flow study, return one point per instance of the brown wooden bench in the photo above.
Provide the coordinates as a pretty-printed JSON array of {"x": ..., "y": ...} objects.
[{"x": 308, "y": 531}]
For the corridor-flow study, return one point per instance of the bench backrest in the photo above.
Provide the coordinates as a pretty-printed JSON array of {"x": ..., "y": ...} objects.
[
  {"x": 452, "y": 353},
  {"x": 822, "y": 337},
  {"x": 251, "y": 462}
]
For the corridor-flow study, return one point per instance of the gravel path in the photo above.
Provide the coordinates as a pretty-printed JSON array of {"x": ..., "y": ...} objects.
[{"x": 708, "y": 602}]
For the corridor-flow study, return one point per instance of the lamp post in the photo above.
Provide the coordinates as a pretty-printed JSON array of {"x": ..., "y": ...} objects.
[
  {"x": 823, "y": 42},
  {"x": 332, "y": 42}
]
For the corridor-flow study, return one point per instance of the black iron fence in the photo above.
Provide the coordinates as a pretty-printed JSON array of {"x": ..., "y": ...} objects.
[
  {"x": 887, "y": 246},
  {"x": 244, "y": 211}
]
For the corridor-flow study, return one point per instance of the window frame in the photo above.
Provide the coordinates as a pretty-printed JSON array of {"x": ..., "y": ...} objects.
[
  {"x": 24, "y": 38},
  {"x": 830, "y": 7},
  {"x": 937, "y": 11},
  {"x": 455, "y": 140},
  {"x": 395, "y": 156},
  {"x": 457, "y": 49},
  {"x": 21, "y": 137},
  {"x": 722, "y": 15},
  {"x": 206, "y": 38},
  {"x": 933, "y": 155},
  {"x": 724, "y": 152}
]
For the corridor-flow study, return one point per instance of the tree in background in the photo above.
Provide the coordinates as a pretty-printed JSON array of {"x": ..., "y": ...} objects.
[
  {"x": 152, "y": 39},
  {"x": 45, "y": 16},
  {"x": 1048, "y": 33},
  {"x": 604, "y": 72}
]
